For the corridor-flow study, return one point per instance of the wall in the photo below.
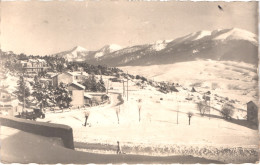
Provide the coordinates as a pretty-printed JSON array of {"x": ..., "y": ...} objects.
[
  {"x": 65, "y": 78},
  {"x": 41, "y": 128},
  {"x": 77, "y": 98},
  {"x": 252, "y": 112}
]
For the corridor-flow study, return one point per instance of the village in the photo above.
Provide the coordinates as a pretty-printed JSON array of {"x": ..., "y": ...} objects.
[{"x": 116, "y": 101}]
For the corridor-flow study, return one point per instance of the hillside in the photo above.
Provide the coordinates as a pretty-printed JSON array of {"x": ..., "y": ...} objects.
[
  {"x": 226, "y": 44},
  {"x": 231, "y": 79}
]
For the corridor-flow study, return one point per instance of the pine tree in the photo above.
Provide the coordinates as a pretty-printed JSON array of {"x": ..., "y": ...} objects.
[
  {"x": 62, "y": 96},
  {"x": 42, "y": 94},
  {"x": 23, "y": 91}
]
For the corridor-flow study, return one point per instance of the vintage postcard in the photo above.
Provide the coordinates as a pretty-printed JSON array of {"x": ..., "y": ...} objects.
[{"x": 129, "y": 82}]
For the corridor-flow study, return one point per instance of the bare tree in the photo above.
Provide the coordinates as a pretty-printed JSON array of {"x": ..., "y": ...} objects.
[
  {"x": 139, "y": 101},
  {"x": 227, "y": 111},
  {"x": 190, "y": 114},
  {"x": 117, "y": 114},
  {"x": 203, "y": 107}
]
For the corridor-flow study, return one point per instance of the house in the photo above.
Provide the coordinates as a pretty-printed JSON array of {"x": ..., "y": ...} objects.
[
  {"x": 68, "y": 77},
  {"x": 34, "y": 65},
  {"x": 77, "y": 94},
  {"x": 252, "y": 112},
  {"x": 8, "y": 106},
  {"x": 87, "y": 99},
  {"x": 5, "y": 96}
]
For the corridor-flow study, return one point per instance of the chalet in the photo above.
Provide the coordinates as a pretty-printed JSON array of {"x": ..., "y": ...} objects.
[
  {"x": 77, "y": 93},
  {"x": 252, "y": 112},
  {"x": 34, "y": 65},
  {"x": 68, "y": 77}
]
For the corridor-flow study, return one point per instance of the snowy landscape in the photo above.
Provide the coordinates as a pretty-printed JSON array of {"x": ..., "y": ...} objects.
[{"x": 194, "y": 95}]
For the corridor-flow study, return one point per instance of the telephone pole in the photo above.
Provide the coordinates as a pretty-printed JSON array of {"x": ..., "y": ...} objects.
[
  {"x": 127, "y": 86},
  {"x": 107, "y": 85},
  {"x": 177, "y": 108},
  {"x": 23, "y": 90},
  {"x": 123, "y": 88}
]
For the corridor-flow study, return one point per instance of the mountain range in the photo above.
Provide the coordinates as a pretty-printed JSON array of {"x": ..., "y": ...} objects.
[{"x": 222, "y": 44}]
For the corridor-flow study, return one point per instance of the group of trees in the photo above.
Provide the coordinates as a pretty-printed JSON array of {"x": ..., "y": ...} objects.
[
  {"x": 167, "y": 87},
  {"x": 45, "y": 94},
  {"x": 91, "y": 84},
  {"x": 93, "y": 69},
  {"x": 226, "y": 111}
]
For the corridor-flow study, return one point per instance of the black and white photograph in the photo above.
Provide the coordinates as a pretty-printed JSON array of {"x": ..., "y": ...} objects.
[{"x": 135, "y": 82}]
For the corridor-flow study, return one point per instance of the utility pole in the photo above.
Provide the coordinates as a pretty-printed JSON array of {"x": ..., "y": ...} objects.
[
  {"x": 210, "y": 102},
  {"x": 23, "y": 90},
  {"x": 127, "y": 86},
  {"x": 123, "y": 88},
  {"x": 177, "y": 112},
  {"x": 107, "y": 85},
  {"x": 177, "y": 108}
]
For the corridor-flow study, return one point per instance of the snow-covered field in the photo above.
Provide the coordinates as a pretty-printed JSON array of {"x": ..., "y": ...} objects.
[
  {"x": 236, "y": 80},
  {"x": 157, "y": 132}
]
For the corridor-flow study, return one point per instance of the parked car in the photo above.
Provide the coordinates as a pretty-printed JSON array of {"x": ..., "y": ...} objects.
[{"x": 33, "y": 115}]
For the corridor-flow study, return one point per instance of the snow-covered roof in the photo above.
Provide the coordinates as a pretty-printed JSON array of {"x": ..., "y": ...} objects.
[
  {"x": 78, "y": 73},
  {"x": 87, "y": 95},
  {"x": 37, "y": 60},
  {"x": 78, "y": 85}
]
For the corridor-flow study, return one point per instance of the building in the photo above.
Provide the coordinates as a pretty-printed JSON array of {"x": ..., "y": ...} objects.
[
  {"x": 252, "y": 112},
  {"x": 32, "y": 66},
  {"x": 8, "y": 106},
  {"x": 68, "y": 77},
  {"x": 77, "y": 94},
  {"x": 87, "y": 99}
]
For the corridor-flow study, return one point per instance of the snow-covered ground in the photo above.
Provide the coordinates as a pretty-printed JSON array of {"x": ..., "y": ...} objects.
[
  {"x": 157, "y": 132},
  {"x": 235, "y": 80}
]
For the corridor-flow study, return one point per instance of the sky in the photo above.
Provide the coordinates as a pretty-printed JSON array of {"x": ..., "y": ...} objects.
[{"x": 48, "y": 27}]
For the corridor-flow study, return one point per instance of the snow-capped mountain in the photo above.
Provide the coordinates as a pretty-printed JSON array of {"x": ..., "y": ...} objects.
[
  {"x": 222, "y": 44},
  {"x": 238, "y": 34},
  {"x": 107, "y": 49},
  {"x": 78, "y": 53},
  {"x": 160, "y": 45}
]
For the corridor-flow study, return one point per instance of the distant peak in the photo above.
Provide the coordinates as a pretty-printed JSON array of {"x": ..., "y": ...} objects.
[
  {"x": 111, "y": 47},
  {"x": 79, "y": 49},
  {"x": 237, "y": 34},
  {"x": 114, "y": 47}
]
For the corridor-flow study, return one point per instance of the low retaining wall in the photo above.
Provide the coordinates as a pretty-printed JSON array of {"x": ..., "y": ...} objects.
[{"x": 41, "y": 128}]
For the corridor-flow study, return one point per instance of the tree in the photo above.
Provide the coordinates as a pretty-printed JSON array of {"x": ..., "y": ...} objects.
[
  {"x": 227, "y": 111},
  {"x": 101, "y": 85},
  {"x": 203, "y": 107},
  {"x": 90, "y": 83},
  {"x": 43, "y": 94},
  {"x": 23, "y": 91},
  {"x": 62, "y": 96},
  {"x": 117, "y": 114},
  {"x": 139, "y": 102},
  {"x": 190, "y": 114}
]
